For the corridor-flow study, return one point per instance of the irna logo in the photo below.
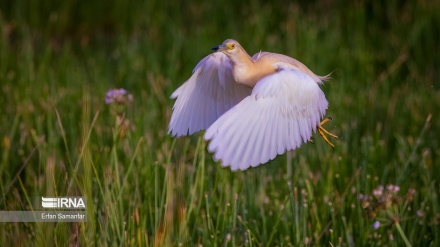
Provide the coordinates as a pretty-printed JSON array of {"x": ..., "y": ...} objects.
[{"x": 63, "y": 202}]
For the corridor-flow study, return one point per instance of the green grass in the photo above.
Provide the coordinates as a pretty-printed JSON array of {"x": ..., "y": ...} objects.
[{"x": 59, "y": 138}]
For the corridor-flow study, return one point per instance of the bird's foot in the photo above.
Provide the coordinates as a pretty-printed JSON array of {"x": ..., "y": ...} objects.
[{"x": 323, "y": 132}]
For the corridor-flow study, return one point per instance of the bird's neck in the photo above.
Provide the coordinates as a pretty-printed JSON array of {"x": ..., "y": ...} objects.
[
  {"x": 246, "y": 71},
  {"x": 242, "y": 67}
]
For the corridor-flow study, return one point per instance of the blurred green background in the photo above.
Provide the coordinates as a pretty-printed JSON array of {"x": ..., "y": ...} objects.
[{"x": 58, "y": 60}]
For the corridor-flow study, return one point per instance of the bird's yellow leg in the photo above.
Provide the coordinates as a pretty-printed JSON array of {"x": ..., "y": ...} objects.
[{"x": 323, "y": 132}]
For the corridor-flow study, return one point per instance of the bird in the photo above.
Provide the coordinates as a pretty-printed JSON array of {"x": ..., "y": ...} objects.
[{"x": 252, "y": 108}]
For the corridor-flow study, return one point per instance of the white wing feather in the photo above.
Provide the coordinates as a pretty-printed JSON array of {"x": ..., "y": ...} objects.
[
  {"x": 281, "y": 113},
  {"x": 205, "y": 96}
]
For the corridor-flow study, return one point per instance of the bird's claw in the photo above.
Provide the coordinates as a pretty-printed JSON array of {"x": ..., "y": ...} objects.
[{"x": 323, "y": 132}]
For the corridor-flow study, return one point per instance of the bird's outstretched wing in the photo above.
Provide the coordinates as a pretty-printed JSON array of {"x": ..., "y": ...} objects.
[
  {"x": 203, "y": 98},
  {"x": 280, "y": 114}
]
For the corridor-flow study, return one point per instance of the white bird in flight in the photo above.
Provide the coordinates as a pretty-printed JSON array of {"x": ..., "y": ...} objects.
[{"x": 254, "y": 108}]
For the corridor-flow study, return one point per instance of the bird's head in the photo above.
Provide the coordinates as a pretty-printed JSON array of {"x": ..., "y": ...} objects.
[{"x": 229, "y": 47}]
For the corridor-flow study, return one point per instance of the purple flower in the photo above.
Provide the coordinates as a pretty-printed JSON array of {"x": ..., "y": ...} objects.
[
  {"x": 376, "y": 224},
  {"x": 116, "y": 96},
  {"x": 393, "y": 188},
  {"x": 378, "y": 191}
]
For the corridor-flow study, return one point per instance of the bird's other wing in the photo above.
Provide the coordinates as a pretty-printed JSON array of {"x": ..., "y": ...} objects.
[
  {"x": 280, "y": 114},
  {"x": 205, "y": 96}
]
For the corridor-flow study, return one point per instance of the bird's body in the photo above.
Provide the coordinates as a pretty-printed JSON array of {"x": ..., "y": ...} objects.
[{"x": 253, "y": 108}]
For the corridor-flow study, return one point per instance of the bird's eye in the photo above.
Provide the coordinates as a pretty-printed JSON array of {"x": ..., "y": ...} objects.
[{"x": 233, "y": 46}]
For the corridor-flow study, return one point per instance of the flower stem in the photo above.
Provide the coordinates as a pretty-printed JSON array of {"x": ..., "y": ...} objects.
[{"x": 408, "y": 244}]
